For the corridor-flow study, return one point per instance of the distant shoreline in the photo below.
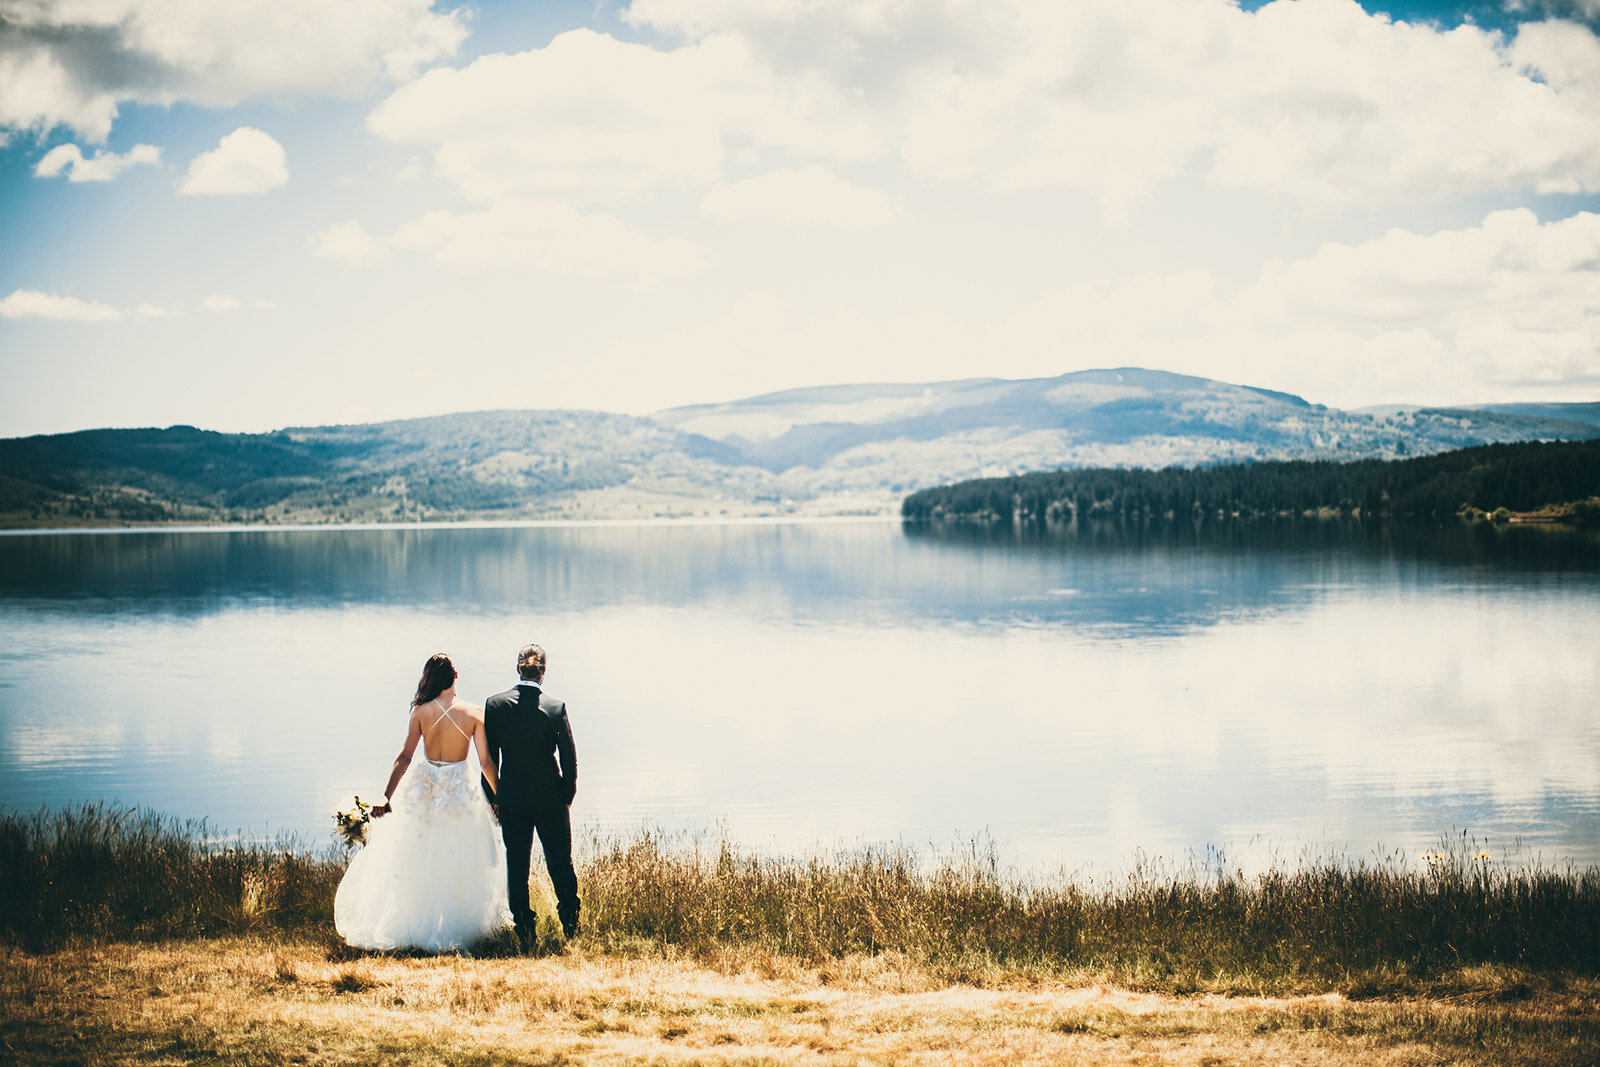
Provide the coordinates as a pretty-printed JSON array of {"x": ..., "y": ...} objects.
[
  {"x": 1537, "y": 482},
  {"x": 837, "y": 452},
  {"x": 463, "y": 524}
]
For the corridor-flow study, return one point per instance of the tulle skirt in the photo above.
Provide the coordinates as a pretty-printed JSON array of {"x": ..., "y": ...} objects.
[{"x": 432, "y": 874}]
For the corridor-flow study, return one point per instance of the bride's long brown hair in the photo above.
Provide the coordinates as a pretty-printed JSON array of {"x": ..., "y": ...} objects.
[{"x": 438, "y": 674}]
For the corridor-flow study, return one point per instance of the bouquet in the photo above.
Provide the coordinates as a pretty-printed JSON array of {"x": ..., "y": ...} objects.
[{"x": 350, "y": 822}]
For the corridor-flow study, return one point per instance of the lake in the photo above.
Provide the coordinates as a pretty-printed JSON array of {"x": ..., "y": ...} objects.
[{"x": 1072, "y": 699}]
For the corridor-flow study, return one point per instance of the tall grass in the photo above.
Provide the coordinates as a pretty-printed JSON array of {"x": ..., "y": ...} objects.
[
  {"x": 106, "y": 872},
  {"x": 100, "y": 872},
  {"x": 1350, "y": 924}
]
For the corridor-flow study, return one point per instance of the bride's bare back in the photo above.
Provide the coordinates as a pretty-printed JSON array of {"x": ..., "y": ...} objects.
[
  {"x": 447, "y": 731},
  {"x": 446, "y": 728}
]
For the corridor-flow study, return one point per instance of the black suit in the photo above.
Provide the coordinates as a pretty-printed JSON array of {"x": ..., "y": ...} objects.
[{"x": 528, "y": 731}]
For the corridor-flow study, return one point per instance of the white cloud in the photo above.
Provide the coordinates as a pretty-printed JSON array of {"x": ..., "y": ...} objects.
[
  {"x": 548, "y": 236},
  {"x": 245, "y": 162},
  {"x": 1354, "y": 109},
  {"x": 32, "y": 304},
  {"x": 1504, "y": 310},
  {"x": 1586, "y": 9},
  {"x": 809, "y": 197},
  {"x": 589, "y": 118},
  {"x": 74, "y": 63},
  {"x": 100, "y": 167},
  {"x": 1318, "y": 100},
  {"x": 348, "y": 241},
  {"x": 1516, "y": 301},
  {"x": 1456, "y": 316}
]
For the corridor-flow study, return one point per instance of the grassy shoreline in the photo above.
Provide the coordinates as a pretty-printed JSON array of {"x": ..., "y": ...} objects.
[
  {"x": 126, "y": 921},
  {"x": 96, "y": 872}
]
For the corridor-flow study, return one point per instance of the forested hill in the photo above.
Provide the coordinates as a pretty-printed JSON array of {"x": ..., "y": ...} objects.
[
  {"x": 828, "y": 450},
  {"x": 482, "y": 464},
  {"x": 1520, "y": 477}
]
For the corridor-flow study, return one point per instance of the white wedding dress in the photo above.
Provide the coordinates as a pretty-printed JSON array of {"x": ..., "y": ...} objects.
[{"x": 432, "y": 874}]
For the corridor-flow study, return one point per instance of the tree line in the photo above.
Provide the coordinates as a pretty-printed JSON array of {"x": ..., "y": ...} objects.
[{"x": 1520, "y": 477}]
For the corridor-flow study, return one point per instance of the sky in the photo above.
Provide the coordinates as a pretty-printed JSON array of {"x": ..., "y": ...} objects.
[{"x": 274, "y": 213}]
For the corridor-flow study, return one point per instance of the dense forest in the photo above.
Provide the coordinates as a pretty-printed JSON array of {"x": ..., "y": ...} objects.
[{"x": 1522, "y": 477}]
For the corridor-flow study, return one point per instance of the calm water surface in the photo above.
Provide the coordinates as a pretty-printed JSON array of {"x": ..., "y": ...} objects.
[{"x": 1073, "y": 699}]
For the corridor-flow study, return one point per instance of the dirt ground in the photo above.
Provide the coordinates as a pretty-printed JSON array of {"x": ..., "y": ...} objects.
[{"x": 254, "y": 1001}]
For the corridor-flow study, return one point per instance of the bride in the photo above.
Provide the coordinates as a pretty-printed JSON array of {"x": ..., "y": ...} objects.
[{"x": 432, "y": 874}]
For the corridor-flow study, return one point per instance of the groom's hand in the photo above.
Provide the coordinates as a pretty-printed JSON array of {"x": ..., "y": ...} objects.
[{"x": 380, "y": 810}]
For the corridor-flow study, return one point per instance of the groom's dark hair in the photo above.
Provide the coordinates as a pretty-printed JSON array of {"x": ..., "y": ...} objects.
[{"x": 530, "y": 663}]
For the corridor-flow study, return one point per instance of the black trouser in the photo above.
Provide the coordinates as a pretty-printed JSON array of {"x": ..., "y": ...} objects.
[{"x": 554, "y": 827}]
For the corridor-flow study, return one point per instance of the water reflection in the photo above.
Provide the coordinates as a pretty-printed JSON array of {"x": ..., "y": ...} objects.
[
  {"x": 1075, "y": 695},
  {"x": 1449, "y": 543},
  {"x": 1132, "y": 578},
  {"x": 480, "y": 569}
]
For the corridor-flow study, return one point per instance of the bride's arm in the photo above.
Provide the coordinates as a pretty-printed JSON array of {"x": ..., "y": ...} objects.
[
  {"x": 401, "y": 762},
  {"x": 480, "y": 741}
]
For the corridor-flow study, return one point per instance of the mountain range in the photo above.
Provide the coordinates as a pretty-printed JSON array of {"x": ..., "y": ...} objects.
[{"x": 828, "y": 450}]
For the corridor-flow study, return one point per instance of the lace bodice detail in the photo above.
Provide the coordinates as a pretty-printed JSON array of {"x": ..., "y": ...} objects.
[{"x": 439, "y": 791}]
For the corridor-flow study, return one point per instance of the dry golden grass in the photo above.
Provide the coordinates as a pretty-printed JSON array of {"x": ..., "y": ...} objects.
[
  {"x": 128, "y": 938},
  {"x": 256, "y": 1000},
  {"x": 1385, "y": 928}
]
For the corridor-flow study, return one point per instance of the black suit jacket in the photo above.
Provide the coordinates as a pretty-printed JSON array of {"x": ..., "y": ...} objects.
[{"x": 528, "y": 730}]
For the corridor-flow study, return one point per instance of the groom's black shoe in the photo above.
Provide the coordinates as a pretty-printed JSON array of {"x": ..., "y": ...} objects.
[
  {"x": 569, "y": 927},
  {"x": 524, "y": 937}
]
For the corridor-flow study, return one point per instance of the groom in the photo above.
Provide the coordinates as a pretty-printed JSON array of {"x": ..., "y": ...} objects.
[{"x": 528, "y": 730}]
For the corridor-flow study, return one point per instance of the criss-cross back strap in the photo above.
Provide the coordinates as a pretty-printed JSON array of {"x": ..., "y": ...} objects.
[{"x": 445, "y": 715}]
